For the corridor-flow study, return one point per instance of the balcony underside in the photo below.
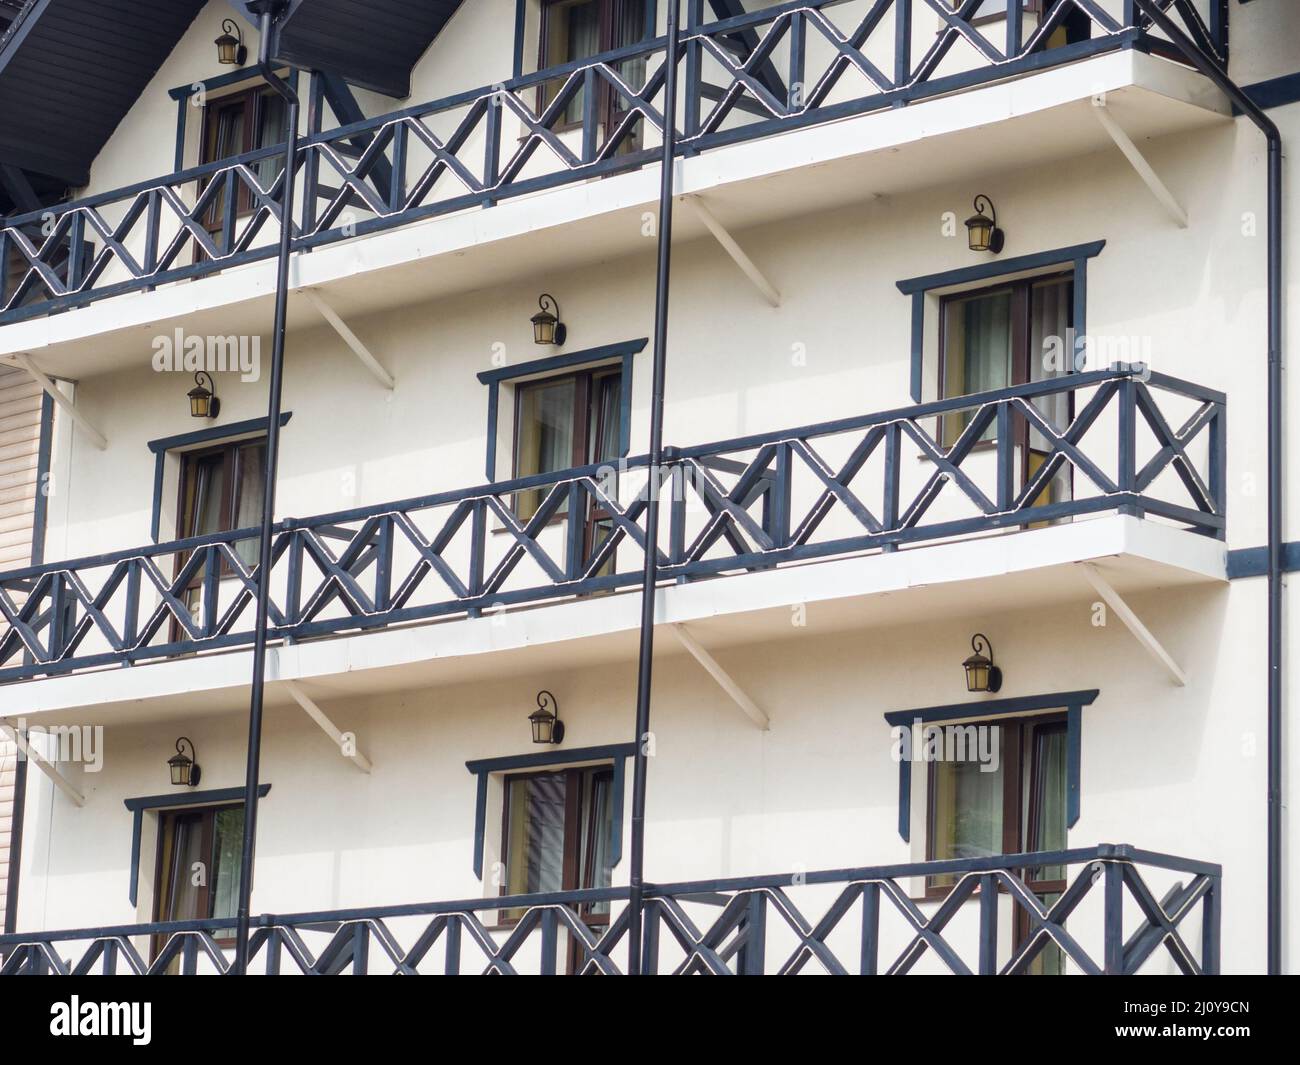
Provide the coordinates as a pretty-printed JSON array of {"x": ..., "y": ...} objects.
[
  {"x": 1031, "y": 121},
  {"x": 742, "y": 525},
  {"x": 1017, "y": 571},
  {"x": 835, "y": 512}
]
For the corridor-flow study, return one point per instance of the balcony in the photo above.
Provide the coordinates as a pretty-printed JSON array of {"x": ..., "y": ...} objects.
[
  {"x": 858, "y": 492},
  {"x": 778, "y": 71},
  {"x": 832, "y": 922}
]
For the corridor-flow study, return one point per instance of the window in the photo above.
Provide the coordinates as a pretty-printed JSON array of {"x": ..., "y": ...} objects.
[
  {"x": 557, "y": 832},
  {"x": 238, "y": 124},
  {"x": 199, "y": 853},
  {"x": 563, "y": 422},
  {"x": 221, "y": 490},
  {"x": 997, "y": 337},
  {"x": 577, "y": 29},
  {"x": 1076, "y": 26},
  {"x": 1018, "y": 807}
]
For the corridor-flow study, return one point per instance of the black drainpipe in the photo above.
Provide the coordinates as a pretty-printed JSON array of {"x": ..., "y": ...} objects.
[
  {"x": 267, "y": 10},
  {"x": 1251, "y": 110},
  {"x": 636, "y": 892}
]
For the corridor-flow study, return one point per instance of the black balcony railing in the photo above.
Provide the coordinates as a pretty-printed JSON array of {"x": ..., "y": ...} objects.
[
  {"x": 760, "y": 73},
  {"x": 843, "y": 921},
  {"x": 1079, "y": 445}
]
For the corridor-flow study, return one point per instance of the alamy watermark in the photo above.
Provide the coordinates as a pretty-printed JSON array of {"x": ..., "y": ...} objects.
[
  {"x": 67, "y": 743},
  {"x": 919, "y": 742},
  {"x": 190, "y": 353}
]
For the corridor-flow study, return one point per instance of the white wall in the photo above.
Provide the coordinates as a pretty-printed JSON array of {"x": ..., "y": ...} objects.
[
  {"x": 1176, "y": 770},
  {"x": 818, "y": 791}
]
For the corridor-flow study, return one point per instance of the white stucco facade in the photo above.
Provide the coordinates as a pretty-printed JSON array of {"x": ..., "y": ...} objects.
[{"x": 833, "y": 216}]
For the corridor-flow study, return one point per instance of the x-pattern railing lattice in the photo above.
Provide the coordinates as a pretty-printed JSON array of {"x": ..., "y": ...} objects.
[
  {"x": 390, "y": 170},
  {"x": 757, "y": 927},
  {"x": 734, "y": 506}
]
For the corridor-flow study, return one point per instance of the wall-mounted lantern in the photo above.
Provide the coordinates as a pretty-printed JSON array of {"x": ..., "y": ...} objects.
[
  {"x": 983, "y": 228},
  {"x": 981, "y": 674},
  {"x": 547, "y": 726},
  {"x": 230, "y": 45},
  {"x": 185, "y": 770},
  {"x": 547, "y": 327},
  {"x": 203, "y": 399}
]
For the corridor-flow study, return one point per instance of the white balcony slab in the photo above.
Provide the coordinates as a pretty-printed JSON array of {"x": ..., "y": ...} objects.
[
  {"x": 1014, "y": 124},
  {"x": 1016, "y": 571}
]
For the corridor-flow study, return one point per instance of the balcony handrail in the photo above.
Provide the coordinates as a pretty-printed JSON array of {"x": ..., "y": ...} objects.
[
  {"x": 49, "y": 611},
  {"x": 57, "y": 272},
  {"x": 736, "y": 933},
  {"x": 914, "y": 412}
]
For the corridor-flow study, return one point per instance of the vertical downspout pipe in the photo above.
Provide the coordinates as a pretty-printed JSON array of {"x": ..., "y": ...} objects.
[
  {"x": 266, "y": 9},
  {"x": 1251, "y": 110},
  {"x": 645, "y": 663}
]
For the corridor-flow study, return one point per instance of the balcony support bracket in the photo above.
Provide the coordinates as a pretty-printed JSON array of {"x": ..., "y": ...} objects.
[
  {"x": 725, "y": 681},
  {"x": 327, "y": 726},
  {"x": 1143, "y": 635},
  {"x": 65, "y": 404},
  {"x": 350, "y": 338},
  {"x": 1139, "y": 163},
  {"x": 747, "y": 265},
  {"x": 32, "y": 755}
]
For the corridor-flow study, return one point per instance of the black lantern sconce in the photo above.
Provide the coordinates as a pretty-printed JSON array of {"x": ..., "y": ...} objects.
[
  {"x": 548, "y": 330},
  {"x": 230, "y": 45},
  {"x": 547, "y": 726},
  {"x": 983, "y": 230},
  {"x": 185, "y": 770},
  {"x": 981, "y": 674},
  {"x": 203, "y": 399}
]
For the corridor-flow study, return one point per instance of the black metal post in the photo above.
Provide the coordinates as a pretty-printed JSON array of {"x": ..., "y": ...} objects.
[
  {"x": 1251, "y": 110},
  {"x": 645, "y": 663},
  {"x": 266, "y": 9}
]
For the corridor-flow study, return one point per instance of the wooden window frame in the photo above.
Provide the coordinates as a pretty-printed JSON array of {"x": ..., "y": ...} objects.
[
  {"x": 606, "y": 114},
  {"x": 1021, "y": 312},
  {"x": 163, "y": 879},
  {"x": 1018, "y": 819},
  {"x": 231, "y": 469},
  {"x": 586, "y": 392},
  {"x": 229, "y": 450},
  {"x": 252, "y": 100},
  {"x": 573, "y": 845},
  {"x": 584, "y": 395}
]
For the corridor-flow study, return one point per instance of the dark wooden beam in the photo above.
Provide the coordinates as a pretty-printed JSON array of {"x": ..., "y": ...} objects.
[
  {"x": 747, "y": 39},
  {"x": 338, "y": 94}
]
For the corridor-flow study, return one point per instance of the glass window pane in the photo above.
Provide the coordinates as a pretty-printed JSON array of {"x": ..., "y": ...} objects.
[
  {"x": 545, "y": 440},
  {"x": 977, "y": 352},
  {"x": 572, "y": 33},
  {"x": 181, "y": 900},
  {"x": 1051, "y": 320},
  {"x": 535, "y": 833},
  {"x": 629, "y": 28},
  {"x": 271, "y": 126},
  {"x": 227, "y": 846},
  {"x": 225, "y": 140},
  {"x": 1047, "y": 797},
  {"x": 229, "y": 138},
  {"x": 249, "y": 497},
  {"x": 1045, "y": 821},
  {"x": 595, "y": 870},
  {"x": 606, "y": 417},
  {"x": 207, "y": 490},
  {"x": 967, "y": 814}
]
